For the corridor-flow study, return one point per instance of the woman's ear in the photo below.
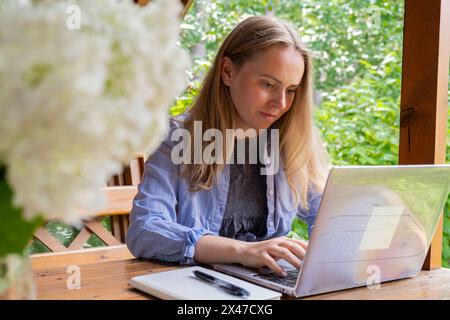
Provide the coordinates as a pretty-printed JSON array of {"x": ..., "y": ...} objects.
[{"x": 226, "y": 71}]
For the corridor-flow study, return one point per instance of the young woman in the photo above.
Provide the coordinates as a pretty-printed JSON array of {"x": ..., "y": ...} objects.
[{"x": 224, "y": 212}]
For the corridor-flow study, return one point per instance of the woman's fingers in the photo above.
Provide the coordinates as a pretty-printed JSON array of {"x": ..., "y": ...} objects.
[
  {"x": 295, "y": 248},
  {"x": 291, "y": 250},
  {"x": 302, "y": 243},
  {"x": 287, "y": 255},
  {"x": 272, "y": 264}
]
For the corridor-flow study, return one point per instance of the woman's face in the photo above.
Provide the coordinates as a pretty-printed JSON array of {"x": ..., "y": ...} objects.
[{"x": 264, "y": 88}]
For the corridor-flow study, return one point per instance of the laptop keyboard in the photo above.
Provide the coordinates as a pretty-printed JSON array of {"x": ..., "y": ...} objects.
[{"x": 289, "y": 281}]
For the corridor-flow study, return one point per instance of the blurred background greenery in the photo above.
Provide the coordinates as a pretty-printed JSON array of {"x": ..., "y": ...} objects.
[{"x": 357, "y": 47}]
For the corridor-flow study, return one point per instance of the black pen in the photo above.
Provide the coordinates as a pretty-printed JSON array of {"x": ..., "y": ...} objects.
[{"x": 223, "y": 285}]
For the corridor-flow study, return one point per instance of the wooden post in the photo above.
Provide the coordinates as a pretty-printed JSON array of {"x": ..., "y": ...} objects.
[{"x": 424, "y": 97}]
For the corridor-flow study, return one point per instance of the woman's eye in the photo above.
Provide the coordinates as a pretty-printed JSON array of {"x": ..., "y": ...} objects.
[
  {"x": 291, "y": 92},
  {"x": 267, "y": 85}
]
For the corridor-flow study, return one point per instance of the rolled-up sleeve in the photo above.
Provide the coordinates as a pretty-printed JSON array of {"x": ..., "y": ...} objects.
[
  {"x": 154, "y": 232},
  {"x": 309, "y": 216}
]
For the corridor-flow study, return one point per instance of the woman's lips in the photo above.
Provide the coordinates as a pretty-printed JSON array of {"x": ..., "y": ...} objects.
[{"x": 267, "y": 116}]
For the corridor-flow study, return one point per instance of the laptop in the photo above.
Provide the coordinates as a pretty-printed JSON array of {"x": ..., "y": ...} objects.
[{"x": 374, "y": 224}]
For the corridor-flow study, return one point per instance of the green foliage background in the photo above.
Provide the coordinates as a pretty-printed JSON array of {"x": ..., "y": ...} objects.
[{"x": 358, "y": 54}]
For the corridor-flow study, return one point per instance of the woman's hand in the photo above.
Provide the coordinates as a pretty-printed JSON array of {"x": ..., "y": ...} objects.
[{"x": 266, "y": 253}]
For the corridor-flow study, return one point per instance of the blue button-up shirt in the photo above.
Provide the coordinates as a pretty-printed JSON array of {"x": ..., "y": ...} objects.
[{"x": 168, "y": 219}]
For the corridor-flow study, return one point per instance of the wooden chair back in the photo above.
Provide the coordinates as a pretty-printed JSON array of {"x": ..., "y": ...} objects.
[
  {"x": 120, "y": 193},
  {"x": 131, "y": 176}
]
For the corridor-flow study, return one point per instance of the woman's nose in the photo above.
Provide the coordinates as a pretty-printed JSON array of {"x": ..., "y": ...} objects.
[{"x": 279, "y": 101}]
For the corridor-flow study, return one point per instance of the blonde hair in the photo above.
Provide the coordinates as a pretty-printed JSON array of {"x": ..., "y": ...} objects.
[{"x": 301, "y": 149}]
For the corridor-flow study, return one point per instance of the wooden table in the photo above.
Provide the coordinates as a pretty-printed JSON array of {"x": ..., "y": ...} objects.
[{"x": 105, "y": 275}]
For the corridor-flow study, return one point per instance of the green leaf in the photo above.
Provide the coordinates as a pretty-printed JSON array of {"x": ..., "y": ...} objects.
[
  {"x": 15, "y": 231},
  {"x": 299, "y": 229}
]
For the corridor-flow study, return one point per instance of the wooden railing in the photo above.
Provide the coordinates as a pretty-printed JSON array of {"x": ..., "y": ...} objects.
[{"x": 120, "y": 193}]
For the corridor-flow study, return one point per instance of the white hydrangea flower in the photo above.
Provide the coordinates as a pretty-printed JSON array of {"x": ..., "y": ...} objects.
[{"x": 76, "y": 104}]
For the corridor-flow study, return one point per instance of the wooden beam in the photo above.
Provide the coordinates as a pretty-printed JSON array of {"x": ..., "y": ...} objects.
[
  {"x": 102, "y": 233},
  {"x": 80, "y": 257},
  {"x": 80, "y": 240},
  {"x": 120, "y": 200},
  {"x": 142, "y": 2},
  {"x": 424, "y": 95},
  {"x": 48, "y": 240},
  {"x": 187, "y": 5}
]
